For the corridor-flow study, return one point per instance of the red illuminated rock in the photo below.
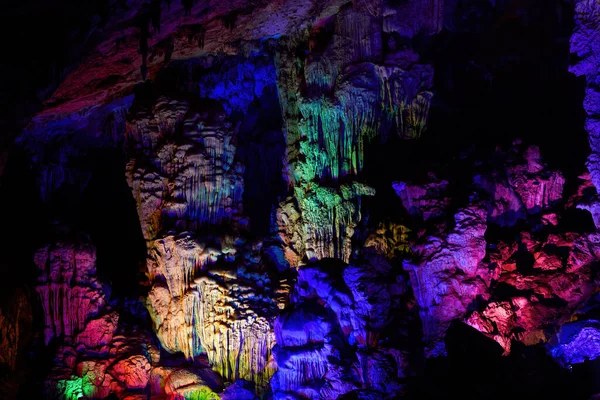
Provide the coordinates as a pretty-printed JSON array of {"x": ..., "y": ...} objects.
[
  {"x": 133, "y": 372},
  {"x": 549, "y": 279}
]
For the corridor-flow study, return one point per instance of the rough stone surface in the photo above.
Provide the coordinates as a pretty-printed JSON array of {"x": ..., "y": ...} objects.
[
  {"x": 549, "y": 281},
  {"x": 447, "y": 274},
  {"x": 250, "y": 135},
  {"x": 69, "y": 289},
  {"x": 336, "y": 307}
]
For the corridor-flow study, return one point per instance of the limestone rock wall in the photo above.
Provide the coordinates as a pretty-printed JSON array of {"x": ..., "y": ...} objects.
[
  {"x": 244, "y": 114},
  {"x": 214, "y": 300},
  {"x": 342, "y": 93},
  {"x": 210, "y": 294},
  {"x": 187, "y": 182}
]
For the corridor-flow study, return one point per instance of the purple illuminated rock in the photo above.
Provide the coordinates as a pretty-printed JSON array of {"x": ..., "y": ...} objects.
[
  {"x": 447, "y": 274},
  {"x": 337, "y": 307},
  {"x": 239, "y": 390},
  {"x": 577, "y": 342},
  {"x": 520, "y": 185},
  {"x": 537, "y": 186},
  {"x": 68, "y": 286},
  {"x": 425, "y": 201},
  {"x": 585, "y": 43}
]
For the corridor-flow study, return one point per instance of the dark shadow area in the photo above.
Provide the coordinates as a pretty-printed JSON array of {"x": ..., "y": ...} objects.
[
  {"x": 108, "y": 212},
  {"x": 476, "y": 369},
  {"x": 261, "y": 148},
  {"x": 21, "y": 220},
  {"x": 41, "y": 42},
  {"x": 509, "y": 79},
  {"x": 498, "y": 77},
  {"x": 23, "y": 229}
]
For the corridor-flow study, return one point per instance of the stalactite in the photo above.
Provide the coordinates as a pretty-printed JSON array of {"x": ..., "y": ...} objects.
[
  {"x": 212, "y": 312},
  {"x": 192, "y": 182},
  {"x": 329, "y": 217},
  {"x": 301, "y": 368},
  {"x": 334, "y": 102},
  {"x": 69, "y": 290},
  {"x": 331, "y": 309}
]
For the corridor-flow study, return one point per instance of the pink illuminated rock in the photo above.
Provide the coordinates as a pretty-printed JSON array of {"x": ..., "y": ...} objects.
[
  {"x": 521, "y": 185},
  {"x": 98, "y": 332},
  {"x": 550, "y": 280},
  {"x": 426, "y": 201},
  {"x": 447, "y": 274},
  {"x": 537, "y": 187},
  {"x": 68, "y": 287}
]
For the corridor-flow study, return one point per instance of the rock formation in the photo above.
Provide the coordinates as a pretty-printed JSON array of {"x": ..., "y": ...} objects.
[
  {"x": 307, "y": 199},
  {"x": 336, "y": 308},
  {"x": 69, "y": 289}
]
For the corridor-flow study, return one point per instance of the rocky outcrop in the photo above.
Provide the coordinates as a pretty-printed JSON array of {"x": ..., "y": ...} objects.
[
  {"x": 328, "y": 338},
  {"x": 124, "y": 367},
  {"x": 323, "y": 225},
  {"x": 447, "y": 274},
  {"x": 217, "y": 301},
  {"x": 348, "y": 90},
  {"x": 210, "y": 294},
  {"x": 540, "y": 285},
  {"x": 390, "y": 240},
  {"x": 585, "y": 44},
  {"x": 452, "y": 270},
  {"x": 127, "y": 43},
  {"x": 521, "y": 186},
  {"x": 577, "y": 342},
  {"x": 100, "y": 351},
  {"x": 424, "y": 201}
]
